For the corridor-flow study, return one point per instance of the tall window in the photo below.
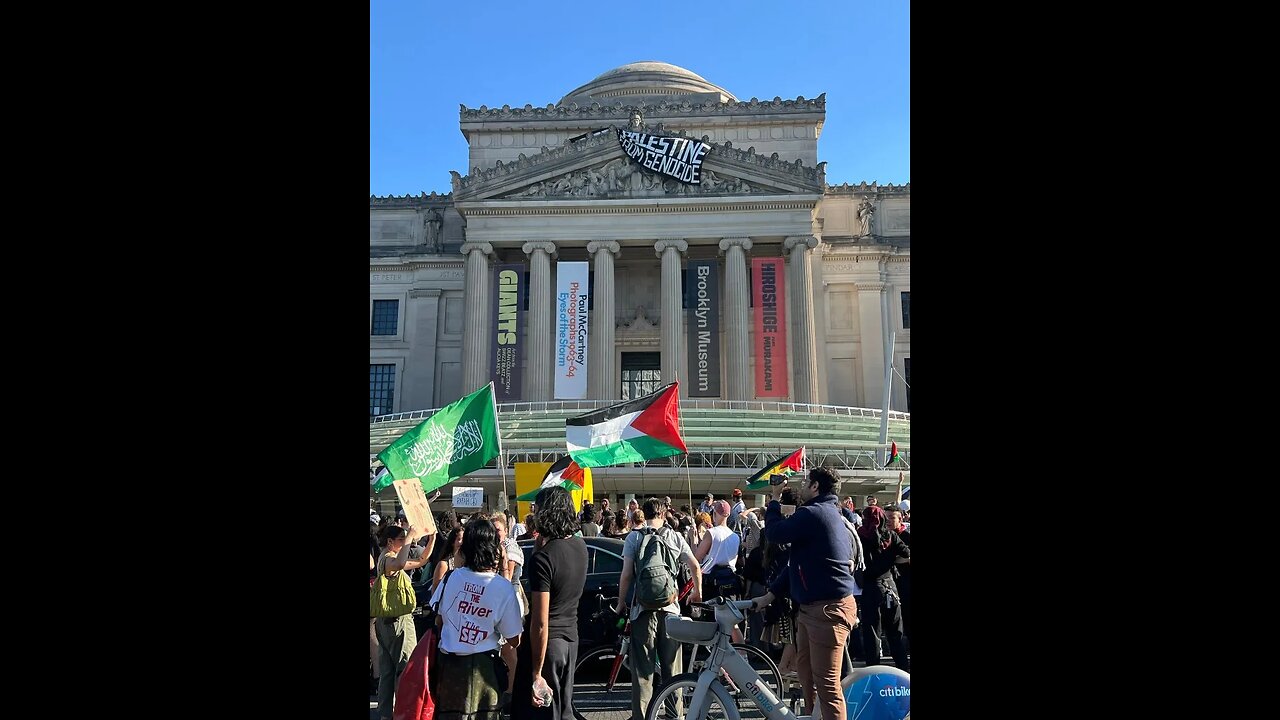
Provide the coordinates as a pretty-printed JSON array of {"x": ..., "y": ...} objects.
[
  {"x": 384, "y": 317},
  {"x": 382, "y": 389},
  {"x": 641, "y": 374},
  {"x": 906, "y": 311},
  {"x": 906, "y": 363}
]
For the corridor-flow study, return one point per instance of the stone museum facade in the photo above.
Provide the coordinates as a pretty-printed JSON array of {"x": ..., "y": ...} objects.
[{"x": 760, "y": 285}]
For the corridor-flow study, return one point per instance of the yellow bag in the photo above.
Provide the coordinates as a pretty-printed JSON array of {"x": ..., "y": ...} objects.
[{"x": 392, "y": 597}]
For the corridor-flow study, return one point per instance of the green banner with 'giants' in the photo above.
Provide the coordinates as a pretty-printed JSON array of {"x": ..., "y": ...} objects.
[{"x": 508, "y": 345}]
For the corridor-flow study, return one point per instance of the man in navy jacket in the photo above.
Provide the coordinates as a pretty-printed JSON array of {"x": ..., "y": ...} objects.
[{"x": 821, "y": 584}]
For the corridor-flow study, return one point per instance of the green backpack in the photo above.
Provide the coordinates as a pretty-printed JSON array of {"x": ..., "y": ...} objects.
[{"x": 656, "y": 584}]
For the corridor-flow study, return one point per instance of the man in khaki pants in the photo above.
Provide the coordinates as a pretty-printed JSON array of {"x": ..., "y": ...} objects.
[{"x": 820, "y": 582}]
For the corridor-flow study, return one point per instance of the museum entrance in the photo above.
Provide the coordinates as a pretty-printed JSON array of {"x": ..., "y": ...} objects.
[{"x": 641, "y": 374}]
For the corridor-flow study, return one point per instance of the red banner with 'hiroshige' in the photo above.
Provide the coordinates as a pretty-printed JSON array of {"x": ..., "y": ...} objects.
[{"x": 771, "y": 326}]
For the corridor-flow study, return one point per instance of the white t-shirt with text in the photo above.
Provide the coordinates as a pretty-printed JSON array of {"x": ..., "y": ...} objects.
[{"x": 475, "y": 605}]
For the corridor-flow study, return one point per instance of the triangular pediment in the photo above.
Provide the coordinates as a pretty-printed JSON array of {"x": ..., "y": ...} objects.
[{"x": 596, "y": 168}]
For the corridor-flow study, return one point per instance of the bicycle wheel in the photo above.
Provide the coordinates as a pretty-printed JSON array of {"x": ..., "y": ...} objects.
[
  {"x": 760, "y": 662},
  {"x": 671, "y": 701},
  {"x": 592, "y": 698}
]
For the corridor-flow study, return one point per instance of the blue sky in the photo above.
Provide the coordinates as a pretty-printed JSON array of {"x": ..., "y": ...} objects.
[{"x": 426, "y": 58}]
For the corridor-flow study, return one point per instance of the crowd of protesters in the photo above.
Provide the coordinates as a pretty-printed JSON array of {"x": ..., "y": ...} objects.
[{"x": 826, "y": 578}]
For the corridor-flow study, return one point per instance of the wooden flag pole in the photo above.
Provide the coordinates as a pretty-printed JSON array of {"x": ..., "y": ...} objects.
[{"x": 502, "y": 456}]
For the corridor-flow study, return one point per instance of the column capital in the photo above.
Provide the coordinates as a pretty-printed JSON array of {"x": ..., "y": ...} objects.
[
  {"x": 794, "y": 241},
  {"x": 610, "y": 246},
  {"x": 742, "y": 242},
  {"x": 677, "y": 243},
  {"x": 547, "y": 247},
  {"x": 870, "y": 286},
  {"x": 484, "y": 248}
]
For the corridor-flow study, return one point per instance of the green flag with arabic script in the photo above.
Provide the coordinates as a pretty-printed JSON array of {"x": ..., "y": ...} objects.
[{"x": 460, "y": 438}]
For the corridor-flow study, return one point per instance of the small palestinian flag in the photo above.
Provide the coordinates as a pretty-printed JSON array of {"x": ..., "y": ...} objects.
[
  {"x": 381, "y": 479},
  {"x": 563, "y": 473},
  {"x": 788, "y": 465},
  {"x": 631, "y": 431},
  {"x": 893, "y": 454}
]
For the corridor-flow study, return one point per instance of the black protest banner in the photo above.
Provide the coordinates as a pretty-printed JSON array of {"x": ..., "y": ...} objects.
[{"x": 677, "y": 157}]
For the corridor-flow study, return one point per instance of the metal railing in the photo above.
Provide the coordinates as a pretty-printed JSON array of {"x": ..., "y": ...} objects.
[{"x": 583, "y": 406}]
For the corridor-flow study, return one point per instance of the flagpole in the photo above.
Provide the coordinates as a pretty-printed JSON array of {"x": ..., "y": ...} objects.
[
  {"x": 888, "y": 385},
  {"x": 502, "y": 456},
  {"x": 899, "y": 500}
]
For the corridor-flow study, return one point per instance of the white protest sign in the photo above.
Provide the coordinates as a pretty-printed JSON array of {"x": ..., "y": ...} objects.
[{"x": 468, "y": 497}]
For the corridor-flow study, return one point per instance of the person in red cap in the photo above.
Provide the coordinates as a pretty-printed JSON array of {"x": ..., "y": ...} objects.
[{"x": 735, "y": 513}]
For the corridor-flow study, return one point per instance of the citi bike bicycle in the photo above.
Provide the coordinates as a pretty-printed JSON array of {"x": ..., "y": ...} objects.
[
  {"x": 602, "y": 677},
  {"x": 877, "y": 692}
]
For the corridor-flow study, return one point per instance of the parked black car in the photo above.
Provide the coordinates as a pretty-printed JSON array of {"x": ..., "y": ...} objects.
[{"x": 604, "y": 569}]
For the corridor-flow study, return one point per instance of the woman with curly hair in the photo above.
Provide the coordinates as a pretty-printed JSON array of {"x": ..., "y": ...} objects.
[
  {"x": 476, "y": 605},
  {"x": 557, "y": 573}
]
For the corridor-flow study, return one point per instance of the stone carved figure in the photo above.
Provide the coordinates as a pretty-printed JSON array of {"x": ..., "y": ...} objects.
[
  {"x": 434, "y": 223},
  {"x": 637, "y": 122},
  {"x": 865, "y": 211}
]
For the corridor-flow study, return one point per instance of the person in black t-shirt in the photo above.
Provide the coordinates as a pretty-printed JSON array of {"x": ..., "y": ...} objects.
[{"x": 557, "y": 574}]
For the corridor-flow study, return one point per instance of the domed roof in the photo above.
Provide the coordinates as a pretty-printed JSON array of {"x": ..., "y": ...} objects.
[{"x": 649, "y": 82}]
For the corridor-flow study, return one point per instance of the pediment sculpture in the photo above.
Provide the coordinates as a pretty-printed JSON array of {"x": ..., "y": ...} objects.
[{"x": 621, "y": 177}]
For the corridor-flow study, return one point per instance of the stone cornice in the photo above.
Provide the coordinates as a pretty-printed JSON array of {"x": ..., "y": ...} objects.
[
  {"x": 412, "y": 265},
  {"x": 482, "y": 247},
  {"x": 870, "y": 286},
  {"x": 662, "y": 245},
  {"x": 619, "y": 111},
  {"x": 801, "y": 242},
  {"x": 610, "y": 246},
  {"x": 742, "y": 242},
  {"x": 607, "y": 209},
  {"x": 412, "y": 201},
  {"x": 548, "y": 247},
  {"x": 898, "y": 259},
  {"x": 425, "y": 292},
  {"x": 863, "y": 189},
  {"x": 565, "y": 157}
]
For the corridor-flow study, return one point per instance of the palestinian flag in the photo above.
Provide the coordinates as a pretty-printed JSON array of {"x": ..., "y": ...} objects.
[
  {"x": 563, "y": 473},
  {"x": 788, "y": 465},
  {"x": 630, "y": 431},
  {"x": 893, "y": 454}
]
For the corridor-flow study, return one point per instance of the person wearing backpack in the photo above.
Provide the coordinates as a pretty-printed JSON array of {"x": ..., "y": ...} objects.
[{"x": 650, "y": 558}]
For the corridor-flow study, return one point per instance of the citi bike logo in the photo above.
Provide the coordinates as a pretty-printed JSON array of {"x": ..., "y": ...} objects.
[
  {"x": 756, "y": 693},
  {"x": 895, "y": 691}
]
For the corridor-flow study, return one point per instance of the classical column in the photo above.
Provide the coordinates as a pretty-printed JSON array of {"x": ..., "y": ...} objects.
[
  {"x": 602, "y": 383},
  {"x": 540, "y": 326},
  {"x": 872, "y": 340},
  {"x": 669, "y": 250},
  {"x": 800, "y": 287},
  {"x": 737, "y": 313},
  {"x": 420, "y": 368},
  {"x": 475, "y": 330}
]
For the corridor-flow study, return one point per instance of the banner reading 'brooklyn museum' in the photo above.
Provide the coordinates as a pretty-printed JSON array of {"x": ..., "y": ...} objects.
[
  {"x": 571, "y": 331},
  {"x": 771, "y": 326},
  {"x": 508, "y": 349},
  {"x": 704, "y": 329}
]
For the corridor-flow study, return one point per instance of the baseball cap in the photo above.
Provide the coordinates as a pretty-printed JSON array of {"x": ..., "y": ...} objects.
[
  {"x": 721, "y": 507},
  {"x": 737, "y": 492}
]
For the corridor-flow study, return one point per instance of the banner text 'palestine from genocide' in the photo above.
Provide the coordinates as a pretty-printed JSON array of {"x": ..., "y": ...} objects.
[{"x": 677, "y": 157}]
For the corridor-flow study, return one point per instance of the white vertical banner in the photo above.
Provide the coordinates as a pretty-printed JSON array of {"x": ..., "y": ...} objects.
[{"x": 571, "y": 330}]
